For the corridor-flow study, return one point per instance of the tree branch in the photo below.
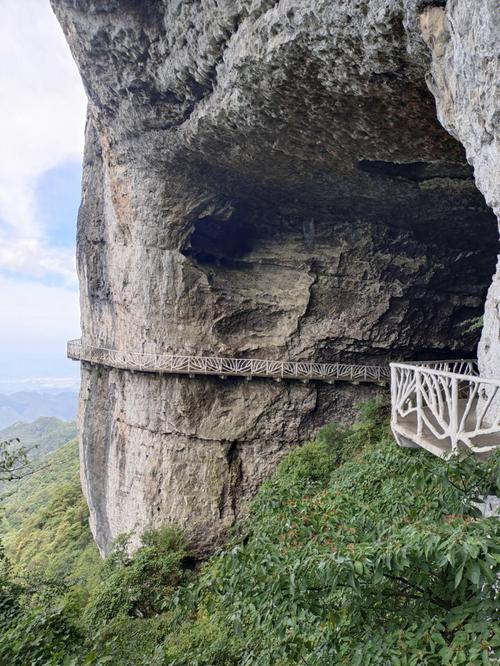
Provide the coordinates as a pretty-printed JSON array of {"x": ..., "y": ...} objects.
[{"x": 435, "y": 600}]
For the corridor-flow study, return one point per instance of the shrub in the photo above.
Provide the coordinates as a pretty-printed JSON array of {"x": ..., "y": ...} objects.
[
  {"x": 43, "y": 636},
  {"x": 381, "y": 559},
  {"x": 34, "y": 627},
  {"x": 140, "y": 585}
]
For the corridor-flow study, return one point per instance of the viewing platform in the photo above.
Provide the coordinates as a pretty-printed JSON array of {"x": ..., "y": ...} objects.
[
  {"x": 444, "y": 406},
  {"x": 228, "y": 367}
]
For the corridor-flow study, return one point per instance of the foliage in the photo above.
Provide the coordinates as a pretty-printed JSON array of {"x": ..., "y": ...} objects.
[
  {"x": 34, "y": 625},
  {"x": 14, "y": 461},
  {"x": 142, "y": 585},
  {"x": 43, "y": 584},
  {"x": 354, "y": 552},
  {"x": 128, "y": 642},
  {"x": 384, "y": 562},
  {"x": 41, "y": 635},
  {"x": 39, "y": 438},
  {"x": 204, "y": 642},
  {"x": 45, "y": 526}
]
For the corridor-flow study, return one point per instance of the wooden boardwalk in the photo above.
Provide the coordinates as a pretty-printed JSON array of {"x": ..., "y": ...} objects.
[
  {"x": 228, "y": 367},
  {"x": 442, "y": 406}
]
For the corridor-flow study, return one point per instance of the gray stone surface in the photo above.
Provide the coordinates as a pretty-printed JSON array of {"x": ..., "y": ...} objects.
[
  {"x": 261, "y": 179},
  {"x": 464, "y": 79}
]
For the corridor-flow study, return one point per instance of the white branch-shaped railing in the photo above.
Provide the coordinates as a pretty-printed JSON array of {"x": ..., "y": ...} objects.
[
  {"x": 214, "y": 365},
  {"x": 445, "y": 404}
]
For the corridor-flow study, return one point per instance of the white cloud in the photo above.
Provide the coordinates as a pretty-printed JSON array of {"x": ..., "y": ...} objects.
[
  {"x": 35, "y": 314},
  {"x": 31, "y": 257},
  {"x": 36, "y": 321},
  {"x": 42, "y": 115}
]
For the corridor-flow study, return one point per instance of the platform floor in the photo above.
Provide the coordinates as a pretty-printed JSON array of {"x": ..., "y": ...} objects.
[{"x": 405, "y": 431}]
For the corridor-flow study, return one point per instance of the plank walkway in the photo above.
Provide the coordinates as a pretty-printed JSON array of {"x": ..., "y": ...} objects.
[
  {"x": 228, "y": 367},
  {"x": 441, "y": 406}
]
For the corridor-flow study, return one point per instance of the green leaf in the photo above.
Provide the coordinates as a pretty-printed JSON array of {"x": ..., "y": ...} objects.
[
  {"x": 358, "y": 567},
  {"x": 474, "y": 573},
  {"x": 458, "y": 576}
]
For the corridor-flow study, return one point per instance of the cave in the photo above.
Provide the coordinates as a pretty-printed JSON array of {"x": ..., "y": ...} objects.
[
  {"x": 221, "y": 241},
  {"x": 410, "y": 263}
]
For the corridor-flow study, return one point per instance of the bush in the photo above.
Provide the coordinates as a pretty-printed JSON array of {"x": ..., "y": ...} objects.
[
  {"x": 39, "y": 636},
  {"x": 203, "y": 642},
  {"x": 129, "y": 642},
  {"x": 355, "y": 552},
  {"x": 142, "y": 585},
  {"x": 34, "y": 627}
]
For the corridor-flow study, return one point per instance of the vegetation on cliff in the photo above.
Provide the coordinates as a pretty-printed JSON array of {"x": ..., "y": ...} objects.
[
  {"x": 354, "y": 552},
  {"x": 45, "y": 529}
]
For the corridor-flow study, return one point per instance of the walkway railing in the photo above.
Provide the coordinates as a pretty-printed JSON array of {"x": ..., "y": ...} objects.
[
  {"x": 239, "y": 367},
  {"x": 445, "y": 405}
]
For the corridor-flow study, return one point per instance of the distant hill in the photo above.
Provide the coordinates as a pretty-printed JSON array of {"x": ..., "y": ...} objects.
[
  {"x": 30, "y": 405},
  {"x": 41, "y": 438},
  {"x": 44, "y": 524},
  {"x": 47, "y": 434}
]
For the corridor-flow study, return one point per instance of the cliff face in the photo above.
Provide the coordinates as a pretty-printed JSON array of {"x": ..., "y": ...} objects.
[
  {"x": 268, "y": 179},
  {"x": 464, "y": 79}
]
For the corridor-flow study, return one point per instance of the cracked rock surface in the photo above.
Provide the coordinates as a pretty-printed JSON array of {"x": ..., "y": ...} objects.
[{"x": 267, "y": 179}]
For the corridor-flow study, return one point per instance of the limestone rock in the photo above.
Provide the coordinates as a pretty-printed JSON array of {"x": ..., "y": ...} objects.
[
  {"x": 464, "y": 78},
  {"x": 264, "y": 179}
]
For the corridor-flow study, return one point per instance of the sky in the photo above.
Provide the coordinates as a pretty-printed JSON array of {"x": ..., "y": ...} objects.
[{"x": 42, "y": 117}]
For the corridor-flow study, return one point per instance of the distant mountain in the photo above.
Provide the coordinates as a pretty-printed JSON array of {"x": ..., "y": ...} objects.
[
  {"x": 40, "y": 384},
  {"x": 27, "y": 406},
  {"x": 43, "y": 436}
]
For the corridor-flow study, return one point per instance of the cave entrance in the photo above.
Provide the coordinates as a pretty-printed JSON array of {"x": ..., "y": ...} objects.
[{"x": 215, "y": 240}]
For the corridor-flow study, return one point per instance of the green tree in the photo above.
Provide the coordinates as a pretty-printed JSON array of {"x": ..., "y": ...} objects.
[
  {"x": 34, "y": 625},
  {"x": 141, "y": 585},
  {"x": 14, "y": 460}
]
